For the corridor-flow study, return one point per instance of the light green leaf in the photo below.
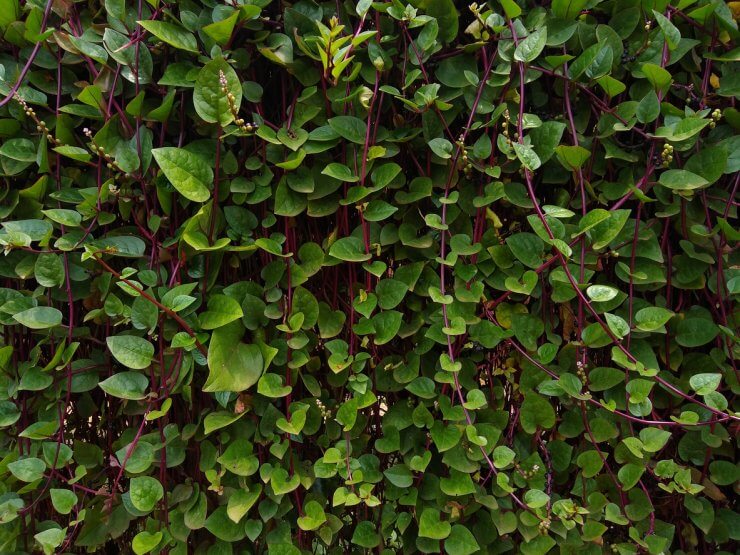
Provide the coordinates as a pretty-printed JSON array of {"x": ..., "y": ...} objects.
[
  {"x": 126, "y": 385},
  {"x": 221, "y": 311},
  {"x": 431, "y": 526},
  {"x": 572, "y": 157},
  {"x": 63, "y": 500},
  {"x": 39, "y": 317},
  {"x": 27, "y": 470},
  {"x": 682, "y": 180},
  {"x": 172, "y": 34},
  {"x": 187, "y": 172},
  {"x": 527, "y": 156},
  {"x": 313, "y": 516},
  {"x": 145, "y": 541},
  {"x": 145, "y": 492},
  {"x": 233, "y": 365},
  {"x": 652, "y": 318},
  {"x": 349, "y": 249},
  {"x": 131, "y": 351},
  {"x": 704, "y": 384}
]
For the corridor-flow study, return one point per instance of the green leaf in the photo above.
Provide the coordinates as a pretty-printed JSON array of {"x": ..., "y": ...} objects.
[
  {"x": 446, "y": 14},
  {"x": 144, "y": 542},
  {"x": 27, "y": 470},
  {"x": 390, "y": 293},
  {"x": 282, "y": 483},
  {"x": 536, "y": 412},
  {"x": 527, "y": 248},
  {"x": 187, "y": 172},
  {"x": 527, "y": 156},
  {"x": 723, "y": 473},
  {"x": 70, "y": 218},
  {"x": 386, "y": 325},
  {"x": 40, "y": 430},
  {"x": 349, "y": 249},
  {"x": 535, "y": 498},
  {"x": 572, "y": 157},
  {"x": 545, "y": 138},
  {"x": 612, "y": 87},
  {"x": 39, "y": 317},
  {"x": 704, "y": 384},
  {"x": 511, "y": 8},
  {"x": 210, "y": 102},
  {"x": 350, "y": 128},
  {"x": 145, "y": 492},
  {"x": 232, "y": 365},
  {"x": 445, "y": 437},
  {"x": 568, "y": 9},
  {"x": 340, "y": 172},
  {"x": 221, "y": 311},
  {"x": 430, "y": 525},
  {"x": 652, "y": 318},
  {"x": 528, "y": 49},
  {"x": 590, "y": 462},
  {"x": 222, "y": 527},
  {"x": 603, "y": 378},
  {"x": 461, "y": 541},
  {"x": 682, "y": 180},
  {"x": 217, "y": 420},
  {"x": 49, "y": 270},
  {"x": 241, "y": 500},
  {"x": 123, "y": 246},
  {"x": 682, "y": 130},
  {"x": 292, "y": 138},
  {"x": 220, "y": 31},
  {"x": 131, "y": 351},
  {"x": 605, "y": 231},
  {"x": 63, "y": 500},
  {"x": 21, "y": 150},
  {"x": 441, "y": 147},
  {"x": 709, "y": 163},
  {"x": 630, "y": 474},
  {"x": 458, "y": 484},
  {"x": 37, "y": 230},
  {"x": 278, "y": 49},
  {"x": 9, "y": 413},
  {"x": 670, "y": 32},
  {"x": 271, "y": 385},
  {"x": 384, "y": 174},
  {"x": 366, "y": 535},
  {"x": 649, "y": 108},
  {"x": 313, "y": 516},
  {"x": 659, "y": 78},
  {"x": 171, "y": 33},
  {"x": 695, "y": 332},
  {"x": 601, "y": 293},
  {"x": 379, "y": 210},
  {"x": 654, "y": 439},
  {"x": 399, "y": 475},
  {"x": 50, "y": 539},
  {"x": 126, "y": 385}
]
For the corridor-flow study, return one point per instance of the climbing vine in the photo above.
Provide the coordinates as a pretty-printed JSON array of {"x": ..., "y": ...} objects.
[{"x": 369, "y": 277}]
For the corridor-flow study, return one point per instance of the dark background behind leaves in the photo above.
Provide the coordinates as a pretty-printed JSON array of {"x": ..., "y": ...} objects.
[{"x": 326, "y": 277}]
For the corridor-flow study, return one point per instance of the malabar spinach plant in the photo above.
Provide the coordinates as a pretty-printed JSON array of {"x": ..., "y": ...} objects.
[{"x": 369, "y": 277}]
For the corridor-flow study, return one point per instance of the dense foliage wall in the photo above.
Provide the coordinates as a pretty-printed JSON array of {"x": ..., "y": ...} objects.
[{"x": 322, "y": 277}]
